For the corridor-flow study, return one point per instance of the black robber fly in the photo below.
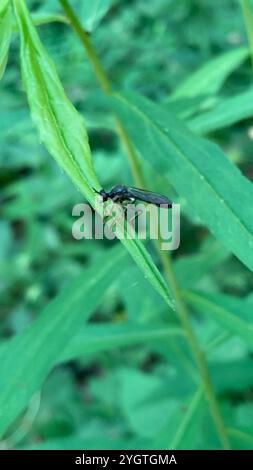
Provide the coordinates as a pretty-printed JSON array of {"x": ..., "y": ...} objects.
[{"x": 122, "y": 193}]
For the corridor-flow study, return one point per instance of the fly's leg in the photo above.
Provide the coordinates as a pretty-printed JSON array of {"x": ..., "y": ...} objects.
[
  {"x": 116, "y": 217},
  {"x": 136, "y": 215}
]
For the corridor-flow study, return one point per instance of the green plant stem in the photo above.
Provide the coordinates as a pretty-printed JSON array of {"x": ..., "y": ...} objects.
[
  {"x": 195, "y": 350},
  {"x": 84, "y": 38},
  {"x": 135, "y": 168},
  {"x": 248, "y": 20},
  {"x": 132, "y": 157},
  {"x": 105, "y": 86}
]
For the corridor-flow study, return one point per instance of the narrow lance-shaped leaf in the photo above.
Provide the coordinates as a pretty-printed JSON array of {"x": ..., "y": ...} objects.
[
  {"x": 103, "y": 337},
  {"x": 190, "y": 421},
  {"x": 43, "y": 18},
  {"x": 144, "y": 261},
  {"x": 28, "y": 358},
  {"x": 227, "y": 112},
  {"x": 190, "y": 269},
  {"x": 93, "y": 12},
  {"x": 63, "y": 133},
  {"x": 229, "y": 312},
  {"x": 248, "y": 20},
  {"x": 241, "y": 440},
  {"x": 5, "y": 33},
  {"x": 61, "y": 127},
  {"x": 200, "y": 172},
  {"x": 209, "y": 78}
]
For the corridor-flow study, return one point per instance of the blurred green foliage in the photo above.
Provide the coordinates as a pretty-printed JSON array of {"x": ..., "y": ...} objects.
[{"x": 127, "y": 379}]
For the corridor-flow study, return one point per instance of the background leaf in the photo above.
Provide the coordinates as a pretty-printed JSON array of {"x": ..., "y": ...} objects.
[
  {"x": 43, "y": 342},
  {"x": 194, "y": 167},
  {"x": 63, "y": 133},
  {"x": 5, "y": 33},
  {"x": 211, "y": 76},
  {"x": 97, "y": 338},
  {"x": 226, "y": 113},
  {"x": 93, "y": 12},
  {"x": 231, "y": 313}
]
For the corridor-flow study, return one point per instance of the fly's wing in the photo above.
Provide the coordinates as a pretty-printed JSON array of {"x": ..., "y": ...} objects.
[{"x": 149, "y": 196}]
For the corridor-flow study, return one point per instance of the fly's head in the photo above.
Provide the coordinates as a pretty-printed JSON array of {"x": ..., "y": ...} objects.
[{"x": 102, "y": 193}]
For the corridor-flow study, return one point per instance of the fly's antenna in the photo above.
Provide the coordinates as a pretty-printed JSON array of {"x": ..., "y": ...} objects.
[
  {"x": 102, "y": 193},
  {"x": 96, "y": 191}
]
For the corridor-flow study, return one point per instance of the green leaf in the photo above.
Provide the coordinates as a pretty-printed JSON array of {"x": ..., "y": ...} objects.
[
  {"x": 211, "y": 76},
  {"x": 185, "y": 437},
  {"x": 146, "y": 406},
  {"x": 63, "y": 133},
  {"x": 232, "y": 375},
  {"x": 61, "y": 127},
  {"x": 181, "y": 430},
  {"x": 97, "y": 338},
  {"x": 240, "y": 439},
  {"x": 27, "y": 359},
  {"x": 192, "y": 268},
  {"x": 248, "y": 20},
  {"x": 230, "y": 312},
  {"x": 148, "y": 268},
  {"x": 227, "y": 112},
  {"x": 5, "y": 33},
  {"x": 93, "y": 12},
  {"x": 43, "y": 18},
  {"x": 200, "y": 172}
]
